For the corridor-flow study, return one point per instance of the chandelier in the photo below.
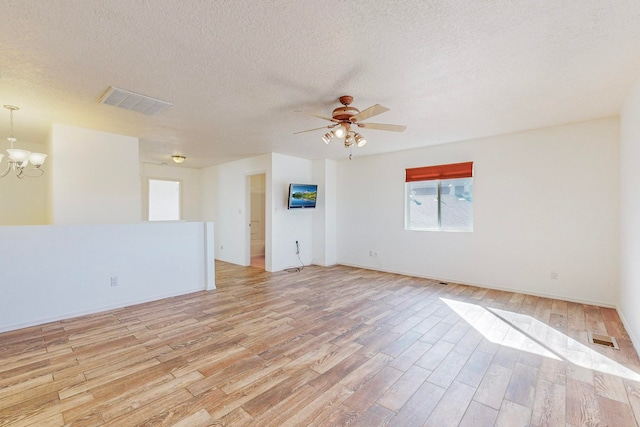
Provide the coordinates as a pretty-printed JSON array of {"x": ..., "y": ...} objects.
[{"x": 18, "y": 160}]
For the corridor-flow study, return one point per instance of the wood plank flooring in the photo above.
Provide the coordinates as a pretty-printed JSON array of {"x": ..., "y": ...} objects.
[{"x": 324, "y": 347}]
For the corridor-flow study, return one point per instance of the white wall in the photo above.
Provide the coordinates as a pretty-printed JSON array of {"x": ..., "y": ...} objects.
[
  {"x": 544, "y": 200},
  {"x": 209, "y": 195},
  {"x": 287, "y": 226},
  {"x": 629, "y": 215},
  {"x": 24, "y": 200},
  {"x": 190, "y": 188},
  {"x": 226, "y": 193},
  {"x": 54, "y": 272},
  {"x": 95, "y": 178},
  {"x": 324, "y": 216},
  {"x": 224, "y": 201}
]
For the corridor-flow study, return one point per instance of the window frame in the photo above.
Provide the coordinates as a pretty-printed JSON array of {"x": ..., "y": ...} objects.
[
  {"x": 148, "y": 199},
  {"x": 437, "y": 174}
]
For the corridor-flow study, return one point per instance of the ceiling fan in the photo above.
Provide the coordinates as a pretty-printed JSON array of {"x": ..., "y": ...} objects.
[{"x": 346, "y": 118}]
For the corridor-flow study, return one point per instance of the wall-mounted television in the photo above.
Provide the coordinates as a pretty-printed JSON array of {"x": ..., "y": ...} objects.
[{"x": 302, "y": 196}]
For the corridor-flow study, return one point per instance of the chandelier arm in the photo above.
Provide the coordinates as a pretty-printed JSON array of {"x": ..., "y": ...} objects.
[
  {"x": 29, "y": 173},
  {"x": 6, "y": 171}
]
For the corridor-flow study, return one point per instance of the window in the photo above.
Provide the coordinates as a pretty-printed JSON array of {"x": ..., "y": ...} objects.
[
  {"x": 164, "y": 200},
  {"x": 440, "y": 198}
]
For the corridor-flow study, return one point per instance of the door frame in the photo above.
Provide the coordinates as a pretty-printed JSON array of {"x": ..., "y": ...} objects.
[{"x": 248, "y": 216}]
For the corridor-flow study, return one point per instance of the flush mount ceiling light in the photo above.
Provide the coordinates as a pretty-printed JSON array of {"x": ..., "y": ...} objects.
[
  {"x": 345, "y": 117},
  {"x": 178, "y": 159},
  {"x": 18, "y": 159}
]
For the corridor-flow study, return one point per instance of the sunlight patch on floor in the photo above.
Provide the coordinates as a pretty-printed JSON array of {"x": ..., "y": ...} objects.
[{"x": 523, "y": 332}]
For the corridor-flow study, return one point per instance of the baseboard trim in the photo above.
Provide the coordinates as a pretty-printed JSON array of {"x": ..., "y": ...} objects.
[
  {"x": 323, "y": 265},
  {"x": 629, "y": 329},
  {"x": 489, "y": 286}
]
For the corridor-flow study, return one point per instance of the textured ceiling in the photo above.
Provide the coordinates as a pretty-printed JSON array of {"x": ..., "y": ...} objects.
[{"x": 236, "y": 71}]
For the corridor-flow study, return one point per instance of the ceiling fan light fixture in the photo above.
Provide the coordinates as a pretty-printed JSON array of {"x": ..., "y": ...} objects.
[
  {"x": 349, "y": 139},
  {"x": 360, "y": 140},
  {"x": 327, "y": 137},
  {"x": 340, "y": 131},
  {"x": 177, "y": 159}
]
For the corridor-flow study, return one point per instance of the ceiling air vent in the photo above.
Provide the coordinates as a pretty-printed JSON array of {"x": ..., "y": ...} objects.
[{"x": 132, "y": 101}]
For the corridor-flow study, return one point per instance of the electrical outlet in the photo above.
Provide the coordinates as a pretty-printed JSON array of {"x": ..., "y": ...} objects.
[
  {"x": 370, "y": 253},
  {"x": 554, "y": 274},
  {"x": 114, "y": 281},
  {"x": 375, "y": 254}
]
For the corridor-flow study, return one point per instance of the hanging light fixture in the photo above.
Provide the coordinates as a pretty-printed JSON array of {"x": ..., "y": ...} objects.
[{"x": 18, "y": 159}]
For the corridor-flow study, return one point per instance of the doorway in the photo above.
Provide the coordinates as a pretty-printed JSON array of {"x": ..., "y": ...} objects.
[{"x": 257, "y": 203}]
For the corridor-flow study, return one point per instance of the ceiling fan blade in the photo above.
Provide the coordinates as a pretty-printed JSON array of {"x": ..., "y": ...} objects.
[
  {"x": 311, "y": 130},
  {"x": 319, "y": 116},
  {"x": 380, "y": 126},
  {"x": 369, "y": 112}
]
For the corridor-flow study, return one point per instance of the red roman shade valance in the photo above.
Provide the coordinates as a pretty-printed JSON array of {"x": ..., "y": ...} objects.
[{"x": 454, "y": 170}]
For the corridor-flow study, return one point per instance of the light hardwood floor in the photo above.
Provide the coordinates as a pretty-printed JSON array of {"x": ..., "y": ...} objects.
[{"x": 325, "y": 346}]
